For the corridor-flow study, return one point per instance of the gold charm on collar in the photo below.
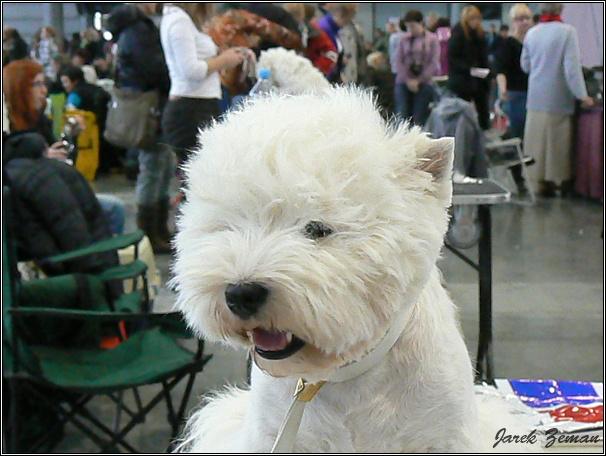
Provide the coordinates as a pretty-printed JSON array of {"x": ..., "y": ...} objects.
[{"x": 305, "y": 392}]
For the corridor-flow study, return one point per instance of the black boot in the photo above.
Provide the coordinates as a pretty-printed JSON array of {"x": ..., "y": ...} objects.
[
  {"x": 547, "y": 189},
  {"x": 147, "y": 221}
]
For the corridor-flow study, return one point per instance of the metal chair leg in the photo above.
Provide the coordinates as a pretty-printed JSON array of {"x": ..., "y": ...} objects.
[{"x": 525, "y": 174}]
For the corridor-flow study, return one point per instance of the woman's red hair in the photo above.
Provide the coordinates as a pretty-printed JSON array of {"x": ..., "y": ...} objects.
[
  {"x": 17, "y": 79},
  {"x": 470, "y": 12}
]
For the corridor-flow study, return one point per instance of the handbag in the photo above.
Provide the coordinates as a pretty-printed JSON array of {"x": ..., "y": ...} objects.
[{"x": 133, "y": 119}]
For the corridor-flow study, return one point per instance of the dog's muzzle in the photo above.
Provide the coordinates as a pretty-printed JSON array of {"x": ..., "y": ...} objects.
[{"x": 245, "y": 299}]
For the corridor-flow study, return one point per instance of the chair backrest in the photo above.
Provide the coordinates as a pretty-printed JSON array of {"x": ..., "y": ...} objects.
[
  {"x": 10, "y": 284},
  {"x": 9, "y": 264},
  {"x": 73, "y": 291}
]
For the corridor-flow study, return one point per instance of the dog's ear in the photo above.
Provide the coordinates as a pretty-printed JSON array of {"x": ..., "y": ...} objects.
[{"x": 437, "y": 159}]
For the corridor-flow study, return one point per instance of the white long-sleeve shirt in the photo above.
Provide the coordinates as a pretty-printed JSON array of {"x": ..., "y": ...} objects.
[
  {"x": 552, "y": 59},
  {"x": 186, "y": 50}
]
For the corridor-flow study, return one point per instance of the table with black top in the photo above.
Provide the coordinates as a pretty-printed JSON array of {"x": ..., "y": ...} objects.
[{"x": 483, "y": 193}]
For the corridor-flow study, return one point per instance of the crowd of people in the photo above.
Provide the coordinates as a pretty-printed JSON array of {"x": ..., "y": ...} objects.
[
  {"x": 531, "y": 68},
  {"x": 198, "y": 57}
]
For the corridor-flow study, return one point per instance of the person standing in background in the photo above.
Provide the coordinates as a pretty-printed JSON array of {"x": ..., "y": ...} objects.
[
  {"x": 468, "y": 68},
  {"x": 511, "y": 80},
  {"x": 93, "y": 43},
  {"x": 337, "y": 16},
  {"x": 352, "y": 37},
  {"x": 47, "y": 48},
  {"x": 395, "y": 35},
  {"x": 14, "y": 46},
  {"x": 432, "y": 22},
  {"x": 380, "y": 41},
  {"x": 141, "y": 68},
  {"x": 317, "y": 46},
  {"x": 194, "y": 66},
  {"x": 443, "y": 32},
  {"x": 551, "y": 57},
  {"x": 495, "y": 44},
  {"x": 417, "y": 62}
]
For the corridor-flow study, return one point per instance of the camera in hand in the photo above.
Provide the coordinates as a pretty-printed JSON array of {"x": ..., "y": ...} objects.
[
  {"x": 69, "y": 138},
  {"x": 416, "y": 68}
]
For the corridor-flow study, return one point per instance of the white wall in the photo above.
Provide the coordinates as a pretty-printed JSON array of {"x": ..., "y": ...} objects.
[
  {"x": 588, "y": 19},
  {"x": 28, "y": 17}
]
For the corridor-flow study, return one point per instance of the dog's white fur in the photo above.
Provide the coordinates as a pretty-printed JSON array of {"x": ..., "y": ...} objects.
[{"x": 258, "y": 179}]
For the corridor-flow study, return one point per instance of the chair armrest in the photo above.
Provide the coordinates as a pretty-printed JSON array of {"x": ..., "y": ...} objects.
[
  {"x": 171, "y": 321},
  {"x": 52, "y": 312},
  {"x": 106, "y": 245},
  {"x": 124, "y": 272}
]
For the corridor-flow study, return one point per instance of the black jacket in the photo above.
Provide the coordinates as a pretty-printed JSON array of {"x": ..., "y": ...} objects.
[
  {"x": 141, "y": 63},
  {"x": 17, "y": 50},
  {"x": 463, "y": 54},
  {"x": 55, "y": 209},
  {"x": 508, "y": 63}
]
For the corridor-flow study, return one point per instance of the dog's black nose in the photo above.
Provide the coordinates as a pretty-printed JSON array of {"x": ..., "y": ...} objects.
[{"x": 245, "y": 299}]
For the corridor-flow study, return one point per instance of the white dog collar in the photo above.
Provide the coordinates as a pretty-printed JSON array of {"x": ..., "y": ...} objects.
[{"x": 305, "y": 392}]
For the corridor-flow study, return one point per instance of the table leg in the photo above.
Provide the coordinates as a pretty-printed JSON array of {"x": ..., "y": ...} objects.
[{"x": 484, "y": 361}]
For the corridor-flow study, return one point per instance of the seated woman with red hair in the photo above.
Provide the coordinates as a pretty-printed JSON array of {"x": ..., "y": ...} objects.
[{"x": 55, "y": 208}]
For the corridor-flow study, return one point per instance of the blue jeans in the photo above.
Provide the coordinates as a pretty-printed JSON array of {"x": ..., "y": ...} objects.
[
  {"x": 515, "y": 109},
  {"x": 115, "y": 210},
  {"x": 156, "y": 169},
  {"x": 415, "y": 105}
]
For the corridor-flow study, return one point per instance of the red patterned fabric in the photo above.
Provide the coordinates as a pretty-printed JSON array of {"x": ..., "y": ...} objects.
[
  {"x": 243, "y": 28},
  {"x": 321, "y": 50}
]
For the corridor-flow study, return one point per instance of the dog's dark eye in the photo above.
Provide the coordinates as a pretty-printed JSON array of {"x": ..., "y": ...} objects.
[{"x": 317, "y": 230}]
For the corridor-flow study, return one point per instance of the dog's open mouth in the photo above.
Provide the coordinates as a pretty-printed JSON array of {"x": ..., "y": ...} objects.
[{"x": 275, "y": 345}]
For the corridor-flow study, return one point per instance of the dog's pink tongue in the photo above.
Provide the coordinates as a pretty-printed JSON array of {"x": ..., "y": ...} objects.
[{"x": 269, "y": 340}]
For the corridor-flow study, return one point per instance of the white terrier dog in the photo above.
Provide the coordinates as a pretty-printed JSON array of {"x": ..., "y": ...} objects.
[
  {"x": 291, "y": 73},
  {"x": 310, "y": 236}
]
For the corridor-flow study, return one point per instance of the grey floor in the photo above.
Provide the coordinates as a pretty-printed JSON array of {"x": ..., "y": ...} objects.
[{"x": 548, "y": 303}]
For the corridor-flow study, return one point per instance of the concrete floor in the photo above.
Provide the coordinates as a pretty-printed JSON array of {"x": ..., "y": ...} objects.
[{"x": 548, "y": 303}]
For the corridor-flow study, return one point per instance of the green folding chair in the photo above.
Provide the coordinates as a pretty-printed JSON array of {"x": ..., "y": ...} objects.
[
  {"x": 135, "y": 271},
  {"x": 53, "y": 330}
]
